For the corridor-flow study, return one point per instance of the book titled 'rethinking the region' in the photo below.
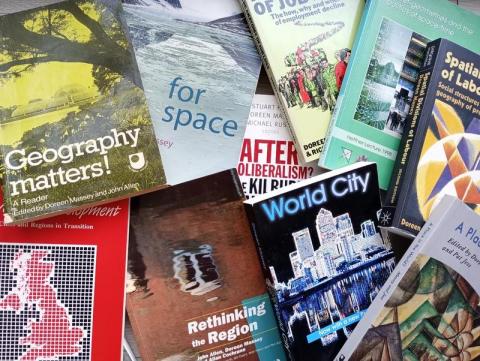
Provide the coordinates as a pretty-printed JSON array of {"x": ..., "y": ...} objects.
[
  {"x": 268, "y": 159},
  {"x": 74, "y": 123},
  {"x": 199, "y": 67},
  {"x": 429, "y": 308},
  {"x": 375, "y": 100},
  {"x": 305, "y": 47},
  {"x": 440, "y": 152},
  {"x": 322, "y": 256},
  {"x": 196, "y": 291},
  {"x": 62, "y": 286}
]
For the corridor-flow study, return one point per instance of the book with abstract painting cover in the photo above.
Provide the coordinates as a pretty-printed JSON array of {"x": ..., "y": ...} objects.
[
  {"x": 322, "y": 256},
  {"x": 196, "y": 290},
  {"x": 199, "y": 67},
  {"x": 441, "y": 155},
  {"x": 305, "y": 47},
  {"x": 62, "y": 286},
  {"x": 75, "y": 129},
  {"x": 429, "y": 307},
  {"x": 268, "y": 158},
  {"x": 372, "y": 107}
]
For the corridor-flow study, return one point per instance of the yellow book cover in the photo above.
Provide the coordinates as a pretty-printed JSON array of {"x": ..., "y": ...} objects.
[
  {"x": 305, "y": 46},
  {"x": 74, "y": 123}
]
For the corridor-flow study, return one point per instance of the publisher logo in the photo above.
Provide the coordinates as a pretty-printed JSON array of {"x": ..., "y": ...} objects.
[{"x": 137, "y": 161}]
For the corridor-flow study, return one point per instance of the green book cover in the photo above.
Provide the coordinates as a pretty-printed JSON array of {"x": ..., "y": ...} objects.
[
  {"x": 305, "y": 46},
  {"x": 372, "y": 106},
  {"x": 74, "y": 122}
]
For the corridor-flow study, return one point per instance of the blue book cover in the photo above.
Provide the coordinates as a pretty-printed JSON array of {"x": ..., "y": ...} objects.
[
  {"x": 199, "y": 68},
  {"x": 322, "y": 256}
]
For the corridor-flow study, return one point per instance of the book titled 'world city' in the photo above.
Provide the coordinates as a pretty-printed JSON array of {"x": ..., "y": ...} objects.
[
  {"x": 199, "y": 68},
  {"x": 372, "y": 107},
  {"x": 74, "y": 123},
  {"x": 305, "y": 46},
  {"x": 322, "y": 256},
  {"x": 196, "y": 290},
  {"x": 62, "y": 286},
  {"x": 429, "y": 307},
  {"x": 440, "y": 152}
]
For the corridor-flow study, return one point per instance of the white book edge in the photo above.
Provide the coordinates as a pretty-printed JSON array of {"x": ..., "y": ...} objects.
[{"x": 428, "y": 230}]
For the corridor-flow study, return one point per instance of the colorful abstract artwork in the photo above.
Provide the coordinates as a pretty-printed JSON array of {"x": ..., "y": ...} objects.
[
  {"x": 432, "y": 315},
  {"x": 450, "y": 160}
]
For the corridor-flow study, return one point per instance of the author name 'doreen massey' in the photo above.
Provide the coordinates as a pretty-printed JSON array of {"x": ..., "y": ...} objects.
[{"x": 50, "y": 205}]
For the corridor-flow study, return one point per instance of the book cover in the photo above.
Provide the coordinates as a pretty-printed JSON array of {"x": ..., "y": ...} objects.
[
  {"x": 322, "y": 255},
  {"x": 372, "y": 106},
  {"x": 444, "y": 149},
  {"x": 62, "y": 286},
  {"x": 268, "y": 158},
  {"x": 130, "y": 348},
  {"x": 305, "y": 47},
  {"x": 399, "y": 173},
  {"x": 74, "y": 123},
  {"x": 197, "y": 291},
  {"x": 428, "y": 309},
  {"x": 199, "y": 67}
]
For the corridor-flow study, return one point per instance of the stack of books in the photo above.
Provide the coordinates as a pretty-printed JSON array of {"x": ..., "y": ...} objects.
[{"x": 155, "y": 207}]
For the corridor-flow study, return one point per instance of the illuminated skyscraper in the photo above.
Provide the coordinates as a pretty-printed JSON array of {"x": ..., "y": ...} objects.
[
  {"x": 296, "y": 264},
  {"x": 326, "y": 228},
  {"x": 311, "y": 264},
  {"x": 344, "y": 225},
  {"x": 348, "y": 251},
  {"x": 303, "y": 243},
  {"x": 330, "y": 268},
  {"x": 274, "y": 275},
  {"x": 322, "y": 270},
  {"x": 368, "y": 229}
]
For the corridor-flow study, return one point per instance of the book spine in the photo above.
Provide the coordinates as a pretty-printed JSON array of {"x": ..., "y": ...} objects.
[
  {"x": 271, "y": 291},
  {"x": 393, "y": 281},
  {"x": 410, "y": 153},
  {"x": 137, "y": 330},
  {"x": 404, "y": 150},
  {"x": 281, "y": 326},
  {"x": 237, "y": 183},
  {"x": 329, "y": 134},
  {"x": 322, "y": 162},
  {"x": 253, "y": 228},
  {"x": 271, "y": 77},
  {"x": 405, "y": 146}
]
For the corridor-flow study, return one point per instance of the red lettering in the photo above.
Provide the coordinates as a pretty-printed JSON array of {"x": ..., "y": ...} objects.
[
  {"x": 280, "y": 150},
  {"x": 259, "y": 149},
  {"x": 292, "y": 155},
  {"x": 246, "y": 153}
]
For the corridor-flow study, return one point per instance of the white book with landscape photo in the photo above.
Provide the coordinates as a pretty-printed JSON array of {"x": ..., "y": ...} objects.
[{"x": 199, "y": 68}]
